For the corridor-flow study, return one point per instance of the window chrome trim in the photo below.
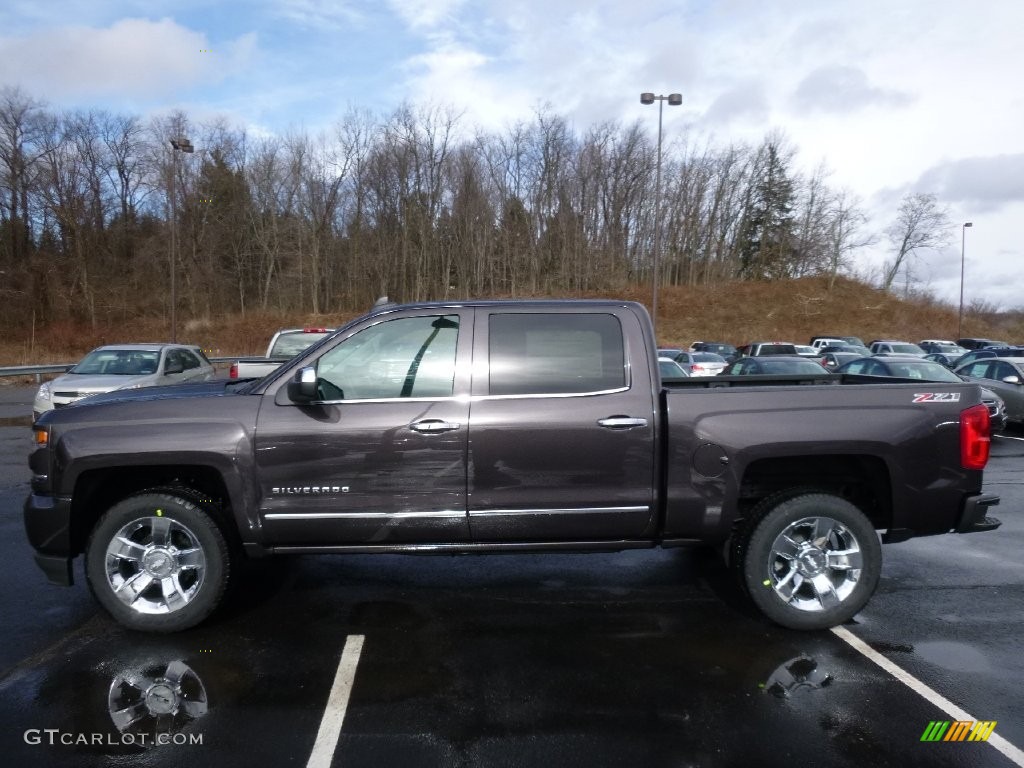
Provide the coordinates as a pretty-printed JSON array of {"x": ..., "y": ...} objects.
[
  {"x": 446, "y": 398},
  {"x": 617, "y": 390},
  {"x": 554, "y": 511},
  {"x": 362, "y": 515}
]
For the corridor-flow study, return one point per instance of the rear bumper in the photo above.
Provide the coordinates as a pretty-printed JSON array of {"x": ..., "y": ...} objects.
[{"x": 973, "y": 518}]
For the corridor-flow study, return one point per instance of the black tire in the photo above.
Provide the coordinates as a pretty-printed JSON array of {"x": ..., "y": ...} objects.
[
  {"x": 169, "y": 571},
  {"x": 810, "y": 579}
]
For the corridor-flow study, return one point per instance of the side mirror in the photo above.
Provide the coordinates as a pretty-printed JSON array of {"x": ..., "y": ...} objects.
[
  {"x": 302, "y": 387},
  {"x": 173, "y": 367},
  {"x": 1012, "y": 379}
]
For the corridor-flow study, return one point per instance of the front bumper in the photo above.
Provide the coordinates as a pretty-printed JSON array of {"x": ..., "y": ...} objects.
[
  {"x": 973, "y": 518},
  {"x": 48, "y": 525}
]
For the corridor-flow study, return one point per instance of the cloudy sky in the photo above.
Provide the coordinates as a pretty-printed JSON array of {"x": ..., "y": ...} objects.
[{"x": 893, "y": 95}]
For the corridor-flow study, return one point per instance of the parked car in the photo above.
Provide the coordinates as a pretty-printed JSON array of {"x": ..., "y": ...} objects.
[
  {"x": 670, "y": 369},
  {"x": 701, "y": 363},
  {"x": 890, "y": 347},
  {"x": 805, "y": 350},
  {"x": 913, "y": 367},
  {"x": 123, "y": 366},
  {"x": 728, "y": 351},
  {"x": 284, "y": 345},
  {"x": 1005, "y": 375},
  {"x": 767, "y": 365},
  {"x": 981, "y": 354},
  {"x": 824, "y": 341},
  {"x": 669, "y": 352},
  {"x": 972, "y": 343},
  {"x": 942, "y": 346},
  {"x": 759, "y": 348}
]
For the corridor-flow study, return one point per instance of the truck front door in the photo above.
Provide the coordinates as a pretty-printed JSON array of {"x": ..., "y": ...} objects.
[{"x": 380, "y": 458}]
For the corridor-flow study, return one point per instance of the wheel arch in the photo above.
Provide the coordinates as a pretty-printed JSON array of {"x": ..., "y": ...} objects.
[
  {"x": 97, "y": 490},
  {"x": 861, "y": 479}
]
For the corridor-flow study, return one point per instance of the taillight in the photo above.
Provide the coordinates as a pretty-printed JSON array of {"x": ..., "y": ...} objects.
[
  {"x": 975, "y": 437},
  {"x": 233, "y": 373}
]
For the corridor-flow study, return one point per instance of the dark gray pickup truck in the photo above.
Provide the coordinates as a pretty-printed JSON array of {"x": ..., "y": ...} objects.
[{"x": 501, "y": 426}]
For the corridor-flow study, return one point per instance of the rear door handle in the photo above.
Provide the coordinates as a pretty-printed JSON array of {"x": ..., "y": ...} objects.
[
  {"x": 433, "y": 426},
  {"x": 622, "y": 422}
]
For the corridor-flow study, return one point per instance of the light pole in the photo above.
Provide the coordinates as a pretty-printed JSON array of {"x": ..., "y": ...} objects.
[
  {"x": 674, "y": 99},
  {"x": 180, "y": 144},
  {"x": 960, "y": 316}
]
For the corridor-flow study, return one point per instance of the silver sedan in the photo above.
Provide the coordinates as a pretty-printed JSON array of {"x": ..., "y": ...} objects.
[{"x": 123, "y": 366}]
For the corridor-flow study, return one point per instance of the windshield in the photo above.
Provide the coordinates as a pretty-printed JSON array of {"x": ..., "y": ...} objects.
[
  {"x": 907, "y": 349},
  {"x": 118, "y": 362}
]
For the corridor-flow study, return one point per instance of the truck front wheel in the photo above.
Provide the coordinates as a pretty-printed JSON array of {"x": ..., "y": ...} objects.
[
  {"x": 157, "y": 562},
  {"x": 810, "y": 561}
]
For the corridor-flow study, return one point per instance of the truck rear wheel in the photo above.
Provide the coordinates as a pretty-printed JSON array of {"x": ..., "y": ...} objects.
[
  {"x": 157, "y": 562},
  {"x": 810, "y": 561}
]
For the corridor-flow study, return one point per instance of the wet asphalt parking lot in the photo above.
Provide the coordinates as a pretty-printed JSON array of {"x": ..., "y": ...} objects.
[{"x": 641, "y": 658}]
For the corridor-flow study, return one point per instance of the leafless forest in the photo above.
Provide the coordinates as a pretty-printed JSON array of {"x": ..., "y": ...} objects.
[{"x": 415, "y": 204}]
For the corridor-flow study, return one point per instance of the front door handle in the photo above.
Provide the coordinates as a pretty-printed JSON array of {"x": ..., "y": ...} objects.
[
  {"x": 622, "y": 422},
  {"x": 433, "y": 426}
]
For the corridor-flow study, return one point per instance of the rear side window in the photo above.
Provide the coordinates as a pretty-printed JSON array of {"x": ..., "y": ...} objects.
[{"x": 555, "y": 353}]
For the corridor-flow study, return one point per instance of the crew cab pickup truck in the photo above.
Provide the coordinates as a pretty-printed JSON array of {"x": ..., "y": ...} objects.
[
  {"x": 284, "y": 345},
  {"x": 470, "y": 427}
]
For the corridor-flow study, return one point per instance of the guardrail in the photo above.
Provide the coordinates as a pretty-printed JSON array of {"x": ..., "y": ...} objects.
[{"x": 39, "y": 370}]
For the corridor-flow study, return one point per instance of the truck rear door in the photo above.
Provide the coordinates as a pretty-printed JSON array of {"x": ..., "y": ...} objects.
[{"x": 562, "y": 428}]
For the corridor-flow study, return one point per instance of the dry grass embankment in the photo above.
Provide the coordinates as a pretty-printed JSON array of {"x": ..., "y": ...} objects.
[{"x": 791, "y": 310}]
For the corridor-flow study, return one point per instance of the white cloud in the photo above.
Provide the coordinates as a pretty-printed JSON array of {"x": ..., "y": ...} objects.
[
  {"x": 318, "y": 14},
  {"x": 425, "y": 14},
  {"x": 132, "y": 58},
  {"x": 843, "y": 89}
]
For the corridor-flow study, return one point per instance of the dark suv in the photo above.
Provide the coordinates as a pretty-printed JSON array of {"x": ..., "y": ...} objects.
[{"x": 980, "y": 343}]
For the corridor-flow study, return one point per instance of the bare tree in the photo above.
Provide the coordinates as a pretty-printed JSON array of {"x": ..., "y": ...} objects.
[
  {"x": 845, "y": 234},
  {"x": 920, "y": 224}
]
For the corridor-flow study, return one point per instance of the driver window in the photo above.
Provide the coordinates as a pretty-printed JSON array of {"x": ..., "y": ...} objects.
[{"x": 405, "y": 357}]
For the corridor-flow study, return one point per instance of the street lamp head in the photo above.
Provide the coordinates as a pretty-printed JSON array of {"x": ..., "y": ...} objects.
[
  {"x": 675, "y": 99},
  {"x": 646, "y": 98},
  {"x": 968, "y": 224}
]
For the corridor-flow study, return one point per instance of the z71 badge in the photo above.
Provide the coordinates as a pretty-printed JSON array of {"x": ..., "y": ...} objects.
[{"x": 936, "y": 397}]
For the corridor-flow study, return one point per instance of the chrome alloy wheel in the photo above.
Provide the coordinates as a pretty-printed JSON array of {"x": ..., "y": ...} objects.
[
  {"x": 155, "y": 565},
  {"x": 814, "y": 564}
]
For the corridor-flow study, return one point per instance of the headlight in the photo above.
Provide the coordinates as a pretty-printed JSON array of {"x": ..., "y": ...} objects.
[{"x": 44, "y": 391}]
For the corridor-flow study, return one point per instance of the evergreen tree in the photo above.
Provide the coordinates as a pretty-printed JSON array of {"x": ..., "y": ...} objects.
[{"x": 766, "y": 243}]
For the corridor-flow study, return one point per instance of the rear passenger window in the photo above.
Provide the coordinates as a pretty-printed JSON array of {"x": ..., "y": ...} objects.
[{"x": 549, "y": 354}]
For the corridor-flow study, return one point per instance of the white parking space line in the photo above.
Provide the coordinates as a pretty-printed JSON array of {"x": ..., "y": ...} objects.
[
  {"x": 1007, "y": 437},
  {"x": 337, "y": 703},
  {"x": 951, "y": 709}
]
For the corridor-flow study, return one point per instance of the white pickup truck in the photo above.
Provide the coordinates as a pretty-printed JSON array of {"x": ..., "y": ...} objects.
[{"x": 284, "y": 345}]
